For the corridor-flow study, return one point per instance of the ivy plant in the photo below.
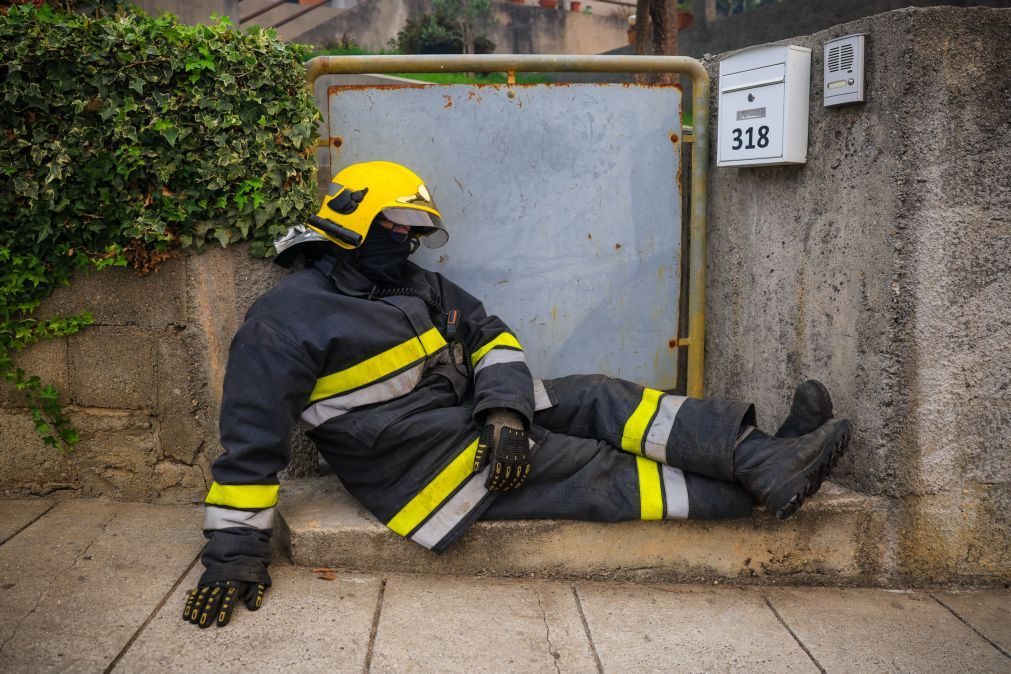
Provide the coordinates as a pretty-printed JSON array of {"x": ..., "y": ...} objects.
[{"x": 124, "y": 139}]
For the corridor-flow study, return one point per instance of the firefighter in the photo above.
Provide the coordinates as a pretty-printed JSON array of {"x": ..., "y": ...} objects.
[{"x": 423, "y": 405}]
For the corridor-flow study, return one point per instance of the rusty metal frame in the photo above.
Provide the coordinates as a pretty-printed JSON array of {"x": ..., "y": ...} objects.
[{"x": 698, "y": 135}]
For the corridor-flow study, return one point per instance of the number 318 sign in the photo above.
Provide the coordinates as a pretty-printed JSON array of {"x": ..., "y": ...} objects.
[{"x": 746, "y": 138}]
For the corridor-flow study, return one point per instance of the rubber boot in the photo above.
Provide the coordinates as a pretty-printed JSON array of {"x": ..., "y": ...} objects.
[
  {"x": 781, "y": 472},
  {"x": 812, "y": 407}
]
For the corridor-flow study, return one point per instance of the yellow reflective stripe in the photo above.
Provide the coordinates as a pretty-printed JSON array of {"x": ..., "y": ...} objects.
[
  {"x": 434, "y": 493},
  {"x": 505, "y": 339},
  {"x": 650, "y": 489},
  {"x": 637, "y": 424},
  {"x": 377, "y": 367},
  {"x": 243, "y": 495}
]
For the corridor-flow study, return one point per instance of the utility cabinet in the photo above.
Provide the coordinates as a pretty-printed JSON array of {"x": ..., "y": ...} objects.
[{"x": 764, "y": 95}]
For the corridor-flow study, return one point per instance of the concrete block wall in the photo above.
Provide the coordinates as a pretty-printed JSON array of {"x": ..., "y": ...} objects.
[
  {"x": 882, "y": 267},
  {"x": 142, "y": 385}
]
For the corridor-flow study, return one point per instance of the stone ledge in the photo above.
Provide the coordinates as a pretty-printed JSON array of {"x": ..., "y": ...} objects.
[{"x": 838, "y": 538}]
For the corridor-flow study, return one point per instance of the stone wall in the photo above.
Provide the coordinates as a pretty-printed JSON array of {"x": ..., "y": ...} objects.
[
  {"x": 142, "y": 385},
  {"x": 881, "y": 267}
]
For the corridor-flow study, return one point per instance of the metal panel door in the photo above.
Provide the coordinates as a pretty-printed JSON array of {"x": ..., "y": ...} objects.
[{"x": 563, "y": 206}]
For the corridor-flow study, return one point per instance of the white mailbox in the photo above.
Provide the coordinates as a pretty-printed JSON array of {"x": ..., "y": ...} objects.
[{"x": 763, "y": 106}]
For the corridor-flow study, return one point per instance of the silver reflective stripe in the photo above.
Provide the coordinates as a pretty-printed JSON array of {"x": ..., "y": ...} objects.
[
  {"x": 223, "y": 518},
  {"x": 499, "y": 356},
  {"x": 394, "y": 387},
  {"x": 542, "y": 400},
  {"x": 453, "y": 511},
  {"x": 659, "y": 430},
  {"x": 675, "y": 492}
]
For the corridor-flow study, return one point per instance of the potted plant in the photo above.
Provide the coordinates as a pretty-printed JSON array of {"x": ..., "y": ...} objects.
[
  {"x": 574, "y": 5},
  {"x": 686, "y": 19},
  {"x": 548, "y": 4},
  {"x": 631, "y": 28}
]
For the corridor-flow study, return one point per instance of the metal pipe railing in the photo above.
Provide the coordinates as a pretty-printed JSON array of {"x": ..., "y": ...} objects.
[{"x": 512, "y": 63}]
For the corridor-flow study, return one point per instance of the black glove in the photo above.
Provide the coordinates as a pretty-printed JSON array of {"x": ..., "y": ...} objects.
[
  {"x": 504, "y": 444},
  {"x": 216, "y": 601}
]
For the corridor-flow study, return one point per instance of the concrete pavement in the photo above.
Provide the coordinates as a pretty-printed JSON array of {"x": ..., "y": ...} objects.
[{"x": 91, "y": 585}]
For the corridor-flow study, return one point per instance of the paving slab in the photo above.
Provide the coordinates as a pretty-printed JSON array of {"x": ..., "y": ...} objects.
[
  {"x": 989, "y": 613},
  {"x": 642, "y": 628},
  {"x": 305, "y": 625},
  {"x": 15, "y": 515},
  {"x": 439, "y": 624},
  {"x": 76, "y": 586},
  {"x": 837, "y": 537},
  {"x": 862, "y": 630}
]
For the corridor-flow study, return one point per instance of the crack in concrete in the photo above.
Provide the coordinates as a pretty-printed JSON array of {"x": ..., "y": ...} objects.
[
  {"x": 586, "y": 629},
  {"x": 375, "y": 627},
  {"x": 555, "y": 656},
  {"x": 794, "y": 635},
  {"x": 970, "y": 626},
  {"x": 151, "y": 616},
  {"x": 34, "y": 520},
  {"x": 45, "y": 591}
]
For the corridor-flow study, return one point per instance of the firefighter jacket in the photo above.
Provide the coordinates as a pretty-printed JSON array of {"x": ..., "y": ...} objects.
[{"x": 391, "y": 386}]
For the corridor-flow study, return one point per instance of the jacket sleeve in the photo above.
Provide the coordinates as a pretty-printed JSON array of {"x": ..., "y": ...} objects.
[
  {"x": 267, "y": 383},
  {"x": 501, "y": 376}
]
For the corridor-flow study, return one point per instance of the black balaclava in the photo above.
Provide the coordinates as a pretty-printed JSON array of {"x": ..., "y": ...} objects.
[{"x": 381, "y": 258}]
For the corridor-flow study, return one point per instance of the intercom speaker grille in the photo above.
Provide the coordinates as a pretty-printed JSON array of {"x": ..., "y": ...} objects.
[{"x": 840, "y": 58}]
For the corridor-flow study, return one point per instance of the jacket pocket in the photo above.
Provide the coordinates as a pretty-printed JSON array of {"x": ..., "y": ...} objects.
[{"x": 371, "y": 423}]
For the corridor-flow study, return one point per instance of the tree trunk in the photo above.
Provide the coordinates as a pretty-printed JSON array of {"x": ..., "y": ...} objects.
[{"x": 656, "y": 33}]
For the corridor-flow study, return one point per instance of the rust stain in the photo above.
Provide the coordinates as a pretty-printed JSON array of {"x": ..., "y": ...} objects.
[
  {"x": 617, "y": 246},
  {"x": 337, "y": 88},
  {"x": 673, "y": 138},
  {"x": 589, "y": 236},
  {"x": 336, "y": 141},
  {"x": 442, "y": 259},
  {"x": 449, "y": 101},
  {"x": 672, "y": 343},
  {"x": 554, "y": 312}
]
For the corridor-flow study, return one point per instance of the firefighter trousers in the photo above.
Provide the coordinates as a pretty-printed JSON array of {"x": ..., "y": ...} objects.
[{"x": 609, "y": 450}]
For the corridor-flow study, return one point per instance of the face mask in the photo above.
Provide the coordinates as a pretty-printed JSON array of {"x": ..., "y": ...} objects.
[{"x": 381, "y": 258}]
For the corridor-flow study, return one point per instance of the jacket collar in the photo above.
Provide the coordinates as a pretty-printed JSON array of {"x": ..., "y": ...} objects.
[
  {"x": 345, "y": 277},
  {"x": 350, "y": 281}
]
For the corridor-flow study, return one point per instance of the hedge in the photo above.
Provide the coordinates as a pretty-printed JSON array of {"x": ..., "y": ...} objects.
[{"x": 127, "y": 138}]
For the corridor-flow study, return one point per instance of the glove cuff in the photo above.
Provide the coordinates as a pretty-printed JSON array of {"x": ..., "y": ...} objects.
[
  {"x": 236, "y": 572},
  {"x": 504, "y": 417}
]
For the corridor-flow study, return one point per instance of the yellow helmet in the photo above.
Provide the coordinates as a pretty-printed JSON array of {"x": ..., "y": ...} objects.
[{"x": 361, "y": 192}]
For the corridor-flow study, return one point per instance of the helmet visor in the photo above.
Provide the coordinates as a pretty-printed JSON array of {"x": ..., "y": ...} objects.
[{"x": 430, "y": 227}]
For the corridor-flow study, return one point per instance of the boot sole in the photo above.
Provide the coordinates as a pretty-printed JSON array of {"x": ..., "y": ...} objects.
[{"x": 811, "y": 478}]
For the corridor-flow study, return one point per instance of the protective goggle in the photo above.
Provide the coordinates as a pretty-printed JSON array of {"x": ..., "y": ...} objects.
[{"x": 420, "y": 223}]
